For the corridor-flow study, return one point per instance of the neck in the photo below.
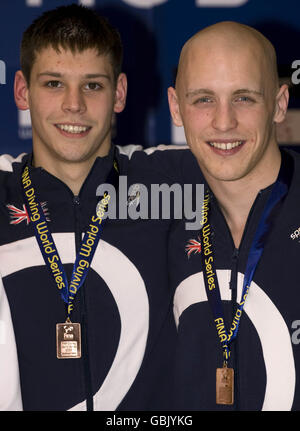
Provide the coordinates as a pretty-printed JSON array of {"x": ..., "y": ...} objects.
[
  {"x": 235, "y": 203},
  {"x": 71, "y": 173},
  {"x": 70, "y": 167},
  {"x": 72, "y": 176},
  {"x": 237, "y": 197}
]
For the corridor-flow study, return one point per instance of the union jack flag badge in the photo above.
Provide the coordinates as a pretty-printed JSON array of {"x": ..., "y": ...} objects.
[
  {"x": 193, "y": 246},
  {"x": 18, "y": 215}
]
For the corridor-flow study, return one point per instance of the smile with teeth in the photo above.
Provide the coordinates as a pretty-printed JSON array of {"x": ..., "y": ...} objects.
[
  {"x": 226, "y": 145},
  {"x": 72, "y": 129}
]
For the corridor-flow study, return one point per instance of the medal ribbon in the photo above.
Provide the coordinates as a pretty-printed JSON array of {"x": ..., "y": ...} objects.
[
  {"x": 48, "y": 247},
  {"x": 279, "y": 190}
]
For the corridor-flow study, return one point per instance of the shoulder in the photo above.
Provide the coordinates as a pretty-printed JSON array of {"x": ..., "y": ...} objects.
[
  {"x": 171, "y": 161},
  {"x": 291, "y": 160},
  {"x": 136, "y": 153},
  {"x": 10, "y": 173},
  {"x": 7, "y": 162}
]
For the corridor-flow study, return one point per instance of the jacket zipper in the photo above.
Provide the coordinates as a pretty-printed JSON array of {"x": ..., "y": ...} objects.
[
  {"x": 84, "y": 323},
  {"x": 233, "y": 287},
  {"x": 234, "y": 345}
]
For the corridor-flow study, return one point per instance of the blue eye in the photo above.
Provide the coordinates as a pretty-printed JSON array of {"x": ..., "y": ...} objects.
[
  {"x": 204, "y": 99},
  {"x": 244, "y": 99}
]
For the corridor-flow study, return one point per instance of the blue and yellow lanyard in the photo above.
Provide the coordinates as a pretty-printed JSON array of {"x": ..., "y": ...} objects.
[
  {"x": 47, "y": 245},
  {"x": 278, "y": 192}
]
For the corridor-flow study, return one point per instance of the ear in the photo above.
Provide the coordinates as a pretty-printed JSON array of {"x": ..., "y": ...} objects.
[
  {"x": 174, "y": 107},
  {"x": 121, "y": 93},
  {"x": 282, "y": 100},
  {"x": 21, "y": 91}
]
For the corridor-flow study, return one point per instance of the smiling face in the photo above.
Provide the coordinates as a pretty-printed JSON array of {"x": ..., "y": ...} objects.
[
  {"x": 72, "y": 99},
  {"x": 227, "y": 101}
]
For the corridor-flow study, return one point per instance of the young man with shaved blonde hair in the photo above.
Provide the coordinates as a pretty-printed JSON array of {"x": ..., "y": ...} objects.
[{"x": 237, "y": 291}]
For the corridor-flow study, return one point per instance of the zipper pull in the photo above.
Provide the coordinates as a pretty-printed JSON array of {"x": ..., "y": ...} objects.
[
  {"x": 76, "y": 200},
  {"x": 235, "y": 254}
]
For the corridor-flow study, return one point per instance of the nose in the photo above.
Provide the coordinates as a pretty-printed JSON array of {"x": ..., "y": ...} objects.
[
  {"x": 73, "y": 101},
  {"x": 224, "y": 117}
]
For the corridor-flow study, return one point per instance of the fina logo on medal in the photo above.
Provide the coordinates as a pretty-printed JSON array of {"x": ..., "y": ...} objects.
[
  {"x": 18, "y": 215},
  {"x": 193, "y": 246}
]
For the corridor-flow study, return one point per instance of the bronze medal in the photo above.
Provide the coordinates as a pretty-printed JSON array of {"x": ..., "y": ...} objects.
[
  {"x": 224, "y": 385},
  {"x": 68, "y": 340}
]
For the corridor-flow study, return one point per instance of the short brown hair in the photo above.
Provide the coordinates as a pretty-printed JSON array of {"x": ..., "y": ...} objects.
[{"x": 74, "y": 28}]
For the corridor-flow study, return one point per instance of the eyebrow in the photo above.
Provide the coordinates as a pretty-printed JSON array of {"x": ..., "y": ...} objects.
[
  {"x": 86, "y": 76},
  {"x": 192, "y": 93},
  {"x": 249, "y": 91},
  {"x": 206, "y": 91}
]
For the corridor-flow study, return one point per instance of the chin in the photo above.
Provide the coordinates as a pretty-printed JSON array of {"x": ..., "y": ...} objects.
[
  {"x": 72, "y": 157},
  {"x": 226, "y": 176}
]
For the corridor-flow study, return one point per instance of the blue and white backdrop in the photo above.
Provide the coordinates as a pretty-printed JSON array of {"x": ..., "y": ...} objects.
[{"x": 153, "y": 32}]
